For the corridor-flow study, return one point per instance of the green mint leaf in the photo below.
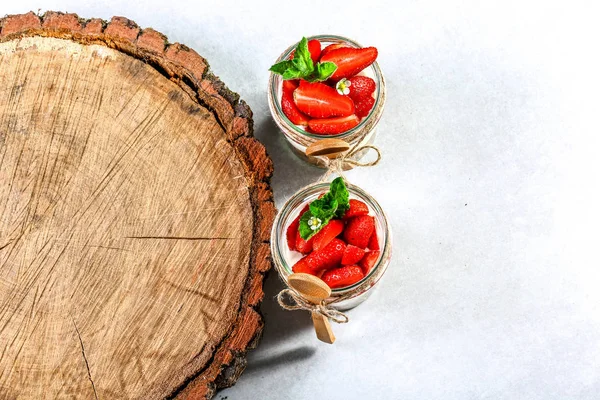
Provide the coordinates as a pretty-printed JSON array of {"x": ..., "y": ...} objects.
[
  {"x": 300, "y": 67},
  {"x": 333, "y": 204},
  {"x": 322, "y": 72},
  {"x": 325, "y": 70},
  {"x": 324, "y": 207},
  {"x": 338, "y": 190},
  {"x": 302, "y": 60},
  {"x": 304, "y": 228},
  {"x": 292, "y": 73},
  {"x": 280, "y": 67}
]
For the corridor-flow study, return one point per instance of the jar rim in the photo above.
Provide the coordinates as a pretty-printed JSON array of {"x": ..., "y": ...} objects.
[
  {"x": 278, "y": 229},
  {"x": 374, "y": 114}
]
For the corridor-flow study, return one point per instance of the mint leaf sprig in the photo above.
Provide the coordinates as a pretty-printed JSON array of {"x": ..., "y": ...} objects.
[
  {"x": 334, "y": 203},
  {"x": 303, "y": 67}
]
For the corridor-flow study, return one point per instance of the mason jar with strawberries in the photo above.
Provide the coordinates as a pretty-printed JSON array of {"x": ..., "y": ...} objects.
[
  {"x": 326, "y": 87},
  {"x": 337, "y": 232}
]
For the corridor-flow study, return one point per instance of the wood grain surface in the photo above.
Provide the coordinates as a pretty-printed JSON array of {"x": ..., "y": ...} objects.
[{"x": 135, "y": 214}]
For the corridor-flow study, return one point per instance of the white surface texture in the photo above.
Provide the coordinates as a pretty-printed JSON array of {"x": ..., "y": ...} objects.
[{"x": 489, "y": 175}]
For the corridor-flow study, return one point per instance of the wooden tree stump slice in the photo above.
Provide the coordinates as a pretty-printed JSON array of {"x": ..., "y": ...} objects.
[{"x": 135, "y": 213}]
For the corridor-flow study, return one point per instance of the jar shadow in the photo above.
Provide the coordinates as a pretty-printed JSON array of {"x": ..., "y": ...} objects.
[
  {"x": 290, "y": 174},
  {"x": 280, "y": 325},
  {"x": 283, "y": 357}
]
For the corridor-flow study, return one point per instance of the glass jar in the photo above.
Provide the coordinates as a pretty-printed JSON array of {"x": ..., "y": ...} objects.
[
  {"x": 342, "y": 298},
  {"x": 299, "y": 139}
]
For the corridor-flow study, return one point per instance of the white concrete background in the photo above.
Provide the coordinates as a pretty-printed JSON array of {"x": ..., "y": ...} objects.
[{"x": 490, "y": 177}]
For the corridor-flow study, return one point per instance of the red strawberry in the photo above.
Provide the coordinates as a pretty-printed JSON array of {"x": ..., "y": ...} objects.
[
  {"x": 361, "y": 87},
  {"x": 328, "y": 233},
  {"x": 352, "y": 255},
  {"x": 321, "y": 101},
  {"x": 290, "y": 234},
  {"x": 369, "y": 261},
  {"x": 364, "y": 106},
  {"x": 326, "y": 258},
  {"x": 291, "y": 111},
  {"x": 314, "y": 48},
  {"x": 332, "y": 47},
  {"x": 359, "y": 230},
  {"x": 290, "y": 85},
  {"x": 292, "y": 230},
  {"x": 374, "y": 241},
  {"x": 304, "y": 246},
  {"x": 302, "y": 267},
  {"x": 343, "y": 276},
  {"x": 357, "y": 207},
  {"x": 350, "y": 61},
  {"x": 332, "y": 126}
]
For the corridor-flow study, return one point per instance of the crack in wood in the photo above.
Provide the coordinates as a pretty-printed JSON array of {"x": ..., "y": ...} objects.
[
  {"x": 180, "y": 238},
  {"x": 87, "y": 366}
]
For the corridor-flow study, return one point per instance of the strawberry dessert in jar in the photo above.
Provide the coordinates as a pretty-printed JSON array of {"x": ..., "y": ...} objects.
[
  {"x": 338, "y": 233},
  {"x": 326, "y": 86}
]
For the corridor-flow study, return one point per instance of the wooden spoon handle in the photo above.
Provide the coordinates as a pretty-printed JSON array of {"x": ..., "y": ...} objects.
[
  {"x": 323, "y": 328},
  {"x": 327, "y": 147}
]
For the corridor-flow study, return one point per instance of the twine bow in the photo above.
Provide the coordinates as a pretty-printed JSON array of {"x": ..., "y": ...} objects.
[
  {"x": 337, "y": 165},
  {"x": 300, "y": 303}
]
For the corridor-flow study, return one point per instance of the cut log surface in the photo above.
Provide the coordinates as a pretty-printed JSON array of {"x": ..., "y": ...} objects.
[{"x": 135, "y": 212}]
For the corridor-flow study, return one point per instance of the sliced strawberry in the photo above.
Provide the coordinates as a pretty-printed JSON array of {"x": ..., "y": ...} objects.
[
  {"x": 359, "y": 230},
  {"x": 364, "y": 106},
  {"x": 350, "y": 61},
  {"x": 290, "y": 85},
  {"x": 332, "y": 47},
  {"x": 357, "y": 208},
  {"x": 314, "y": 48},
  {"x": 303, "y": 246},
  {"x": 291, "y": 111},
  {"x": 292, "y": 230},
  {"x": 343, "y": 276},
  {"x": 361, "y": 87},
  {"x": 302, "y": 267},
  {"x": 328, "y": 233},
  {"x": 352, "y": 255},
  {"x": 332, "y": 126},
  {"x": 321, "y": 101},
  {"x": 374, "y": 241},
  {"x": 326, "y": 258},
  {"x": 369, "y": 261}
]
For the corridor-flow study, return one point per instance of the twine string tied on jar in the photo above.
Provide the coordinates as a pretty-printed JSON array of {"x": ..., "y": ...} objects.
[
  {"x": 300, "y": 303},
  {"x": 344, "y": 161}
]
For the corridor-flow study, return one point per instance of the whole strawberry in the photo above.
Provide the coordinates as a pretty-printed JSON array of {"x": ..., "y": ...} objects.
[
  {"x": 357, "y": 208},
  {"x": 363, "y": 106},
  {"x": 343, "y": 276},
  {"x": 352, "y": 255},
  {"x": 361, "y": 87},
  {"x": 325, "y": 258},
  {"x": 358, "y": 230},
  {"x": 327, "y": 233}
]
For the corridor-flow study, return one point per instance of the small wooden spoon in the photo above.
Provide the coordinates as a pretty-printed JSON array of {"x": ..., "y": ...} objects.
[
  {"x": 327, "y": 147},
  {"x": 314, "y": 290}
]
